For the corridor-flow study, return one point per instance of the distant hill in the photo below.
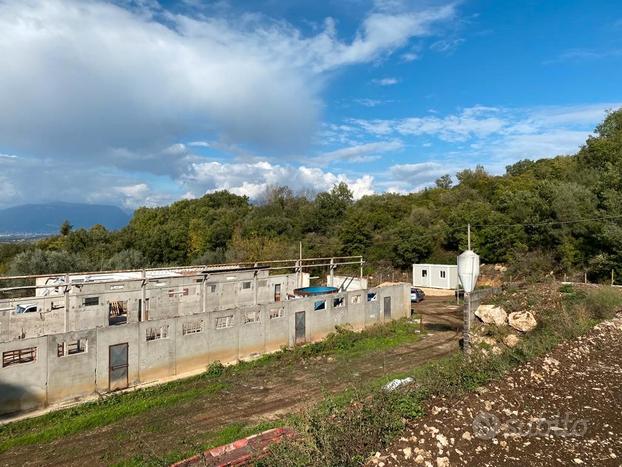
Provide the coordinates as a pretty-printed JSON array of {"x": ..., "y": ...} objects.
[{"x": 47, "y": 218}]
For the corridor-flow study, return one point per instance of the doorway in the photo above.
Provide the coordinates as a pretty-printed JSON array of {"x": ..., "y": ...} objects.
[
  {"x": 387, "y": 308},
  {"x": 117, "y": 367},
  {"x": 300, "y": 327},
  {"x": 277, "y": 292}
]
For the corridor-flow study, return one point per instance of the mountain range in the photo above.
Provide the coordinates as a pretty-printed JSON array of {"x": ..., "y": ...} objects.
[{"x": 47, "y": 218}]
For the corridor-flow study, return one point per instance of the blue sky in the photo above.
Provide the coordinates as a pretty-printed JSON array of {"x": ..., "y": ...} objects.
[{"x": 143, "y": 102}]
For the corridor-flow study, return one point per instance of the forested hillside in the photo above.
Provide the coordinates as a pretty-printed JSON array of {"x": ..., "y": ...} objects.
[{"x": 526, "y": 217}]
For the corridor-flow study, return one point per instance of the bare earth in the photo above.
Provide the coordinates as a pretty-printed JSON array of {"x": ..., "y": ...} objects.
[
  {"x": 562, "y": 409},
  {"x": 264, "y": 394}
]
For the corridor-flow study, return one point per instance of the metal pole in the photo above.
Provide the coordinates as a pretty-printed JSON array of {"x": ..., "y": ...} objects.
[
  {"x": 466, "y": 342},
  {"x": 469, "y": 236},
  {"x": 300, "y": 264}
]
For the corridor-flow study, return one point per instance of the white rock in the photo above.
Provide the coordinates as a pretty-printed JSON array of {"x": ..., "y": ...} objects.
[
  {"x": 491, "y": 314},
  {"x": 442, "y": 462},
  {"x": 511, "y": 340},
  {"x": 522, "y": 321},
  {"x": 408, "y": 452}
]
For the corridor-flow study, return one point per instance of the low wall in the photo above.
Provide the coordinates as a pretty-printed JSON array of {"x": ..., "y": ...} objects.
[{"x": 170, "y": 347}]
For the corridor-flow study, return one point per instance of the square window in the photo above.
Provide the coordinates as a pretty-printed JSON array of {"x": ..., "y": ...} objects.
[
  {"x": 338, "y": 302},
  {"x": 355, "y": 299},
  {"x": 442, "y": 274},
  {"x": 251, "y": 317},
  {"x": 372, "y": 296},
  {"x": 211, "y": 288},
  {"x": 223, "y": 322},
  {"x": 16, "y": 357},
  {"x": 192, "y": 327},
  {"x": 276, "y": 313},
  {"x": 319, "y": 305},
  {"x": 152, "y": 334},
  {"x": 246, "y": 285},
  {"x": 91, "y": 301},
  {"x": 424, "y": 273}
]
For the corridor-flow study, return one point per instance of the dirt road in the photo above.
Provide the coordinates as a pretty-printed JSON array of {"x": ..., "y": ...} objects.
[
  {"x": 561, "y": 409},
  {"x": 264, "y": 393}
]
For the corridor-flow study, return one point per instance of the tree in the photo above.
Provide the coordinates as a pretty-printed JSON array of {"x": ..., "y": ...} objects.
[
  {"x": 445, "y": 182},
  {"x": 65, "y": 228}
]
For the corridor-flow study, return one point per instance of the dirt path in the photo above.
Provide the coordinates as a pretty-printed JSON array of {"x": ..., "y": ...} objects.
[
  {"x": 262, "y": 394},
  {"x": 562, "y": 409}
]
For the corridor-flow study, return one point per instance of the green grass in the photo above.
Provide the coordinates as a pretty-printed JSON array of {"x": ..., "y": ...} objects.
[
  {"x": 55, "y": 425},
  {"x": 225, "y": 435},
  {"x": 62, "y": 423}
]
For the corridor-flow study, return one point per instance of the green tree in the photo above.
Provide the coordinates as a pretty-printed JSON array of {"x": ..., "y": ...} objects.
[{"x": 65, "y": 228}]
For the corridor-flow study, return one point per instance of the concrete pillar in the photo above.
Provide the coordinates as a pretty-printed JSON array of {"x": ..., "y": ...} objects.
[
  {"x": 66, "y": 316},
  {"x": 332, "y": 273},
  {"x": 143, "y": 295}
]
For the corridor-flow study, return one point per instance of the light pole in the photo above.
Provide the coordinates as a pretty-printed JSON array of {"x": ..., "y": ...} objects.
[{"x": 468, "y": 272}]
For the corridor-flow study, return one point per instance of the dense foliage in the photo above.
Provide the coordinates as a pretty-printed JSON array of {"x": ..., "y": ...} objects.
[{"x": 525, "y": 217}]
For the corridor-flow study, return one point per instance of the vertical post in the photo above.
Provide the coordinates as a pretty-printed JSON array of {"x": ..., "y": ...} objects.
[
  {"x": 204, "y": 305},
  {"x": 361, "y": 273},
  {"x": 585, "y": 277},
  {"x": 255, "y": 287},
  {"x": 612, "y": 281},
  {"x": 66, "y": 316},
  {"x": 466, "y": 340},
  {"x": 143, "y": 295},
  {"x": 332, "y": 272},
  {"x": 299, "y": 275},
  {"x": 469, "y": 236}
]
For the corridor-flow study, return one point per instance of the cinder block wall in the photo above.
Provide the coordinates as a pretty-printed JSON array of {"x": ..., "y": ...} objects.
[{"x": 253, "y": 330}]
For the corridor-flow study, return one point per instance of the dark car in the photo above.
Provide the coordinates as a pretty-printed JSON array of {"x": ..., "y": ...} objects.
[{"x": 416, "y": 295}]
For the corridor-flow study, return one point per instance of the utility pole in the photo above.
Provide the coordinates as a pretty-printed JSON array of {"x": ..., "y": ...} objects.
[{"x": 467, "y": 309}]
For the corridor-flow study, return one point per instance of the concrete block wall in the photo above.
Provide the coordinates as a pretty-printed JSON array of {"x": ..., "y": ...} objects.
[
  {"x": 249, "y": 331},
  {"x": 167, "y": 298}
]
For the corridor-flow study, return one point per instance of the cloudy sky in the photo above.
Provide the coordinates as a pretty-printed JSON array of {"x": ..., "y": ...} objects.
[{"x": 144, "y": 102}]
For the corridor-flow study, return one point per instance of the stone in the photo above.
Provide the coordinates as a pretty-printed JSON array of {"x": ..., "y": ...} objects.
[
  {"x": 442, "y": 462},
  {"x": 511, "y": 340},
  {"x": 491, "y": 314},
  {"x": 408, "y": 452},
  {"x": 522, "y": 321}
]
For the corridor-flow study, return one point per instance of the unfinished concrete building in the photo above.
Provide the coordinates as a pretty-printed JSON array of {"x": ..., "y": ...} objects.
[{"x": 85, "y": 334}]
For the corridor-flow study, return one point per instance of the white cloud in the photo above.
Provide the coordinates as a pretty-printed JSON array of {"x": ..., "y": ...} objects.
[
  {"x": 84, "y": 78},
  {"x": 413, "y": 177},
  {"x": 358, "y": 153},
  {"x": 252, "y": 179},
  {"x": 385, "y": 81}
]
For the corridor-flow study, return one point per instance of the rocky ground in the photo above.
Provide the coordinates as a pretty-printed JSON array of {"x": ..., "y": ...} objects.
[{"x": 562, "y": 409}]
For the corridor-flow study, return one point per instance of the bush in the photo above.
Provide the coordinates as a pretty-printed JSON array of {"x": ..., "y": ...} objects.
[{"x": 603, "y": 303}]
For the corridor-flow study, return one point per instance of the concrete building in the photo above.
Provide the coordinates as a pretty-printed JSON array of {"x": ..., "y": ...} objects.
[
  {"x": 92, "y": 334},
  {"x": 435, "y": 276}
]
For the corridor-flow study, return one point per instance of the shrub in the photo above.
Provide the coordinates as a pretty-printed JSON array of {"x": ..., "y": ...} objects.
[{"x": 603, "y": 303}]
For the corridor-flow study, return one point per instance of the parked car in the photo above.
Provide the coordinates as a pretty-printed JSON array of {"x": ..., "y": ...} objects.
[
  {"x": 416, "y": 295},
  {"x": 26, "y": 308}
]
